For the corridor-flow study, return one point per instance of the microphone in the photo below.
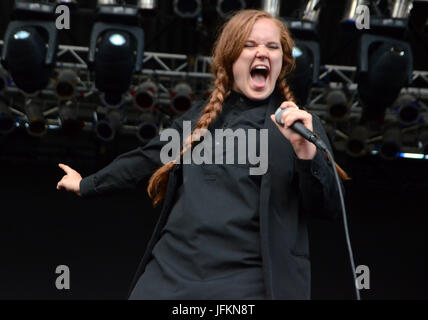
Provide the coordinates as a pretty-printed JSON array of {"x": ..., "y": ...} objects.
[{"x": 298, "y": 127}]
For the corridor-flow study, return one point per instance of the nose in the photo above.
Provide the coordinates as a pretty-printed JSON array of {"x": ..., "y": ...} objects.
[{"x": 262, "y": 51}]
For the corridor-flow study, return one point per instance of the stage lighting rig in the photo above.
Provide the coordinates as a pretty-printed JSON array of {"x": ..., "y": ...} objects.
[
  {"x": 271, "y": 6},
  {"x": 356, "y": 144},
  {"x": 66, "y": 84},
  {"x": 145, "y": 96},
  {"x": 7, "y": 121},
  {"x": 30, "y": 45},
  {"x": 107, "y": 127},
  {"x": 385, "y": 66},
  {"x": 3, "y": 80},
  {"x": 181, "y": 97},
  {"x": 307, "y": 58},
  {"x": 116, "y": 50},
  {"x": 36, "y": 123},
  {"x": 187, "y": 8},
  {"x": 226, "y": 7},
  {"x": 408, "y": 109},
  {"x": 147, "y": 127},
  {"x": 391, "y": 142},
  {"x": 338, "y": 105}
]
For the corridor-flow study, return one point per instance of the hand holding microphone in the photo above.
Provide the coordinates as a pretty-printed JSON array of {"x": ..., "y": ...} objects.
[{"x": 296, "y": 126}]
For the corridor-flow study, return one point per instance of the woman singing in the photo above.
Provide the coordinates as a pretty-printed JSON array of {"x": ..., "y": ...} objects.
[{"x": 224, "y": 233}]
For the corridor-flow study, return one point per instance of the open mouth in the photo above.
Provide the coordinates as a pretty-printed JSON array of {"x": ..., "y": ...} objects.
[{"x": 259, "y": 75}]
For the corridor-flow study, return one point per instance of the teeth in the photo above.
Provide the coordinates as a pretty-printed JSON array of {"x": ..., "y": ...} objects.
[{"x": 261, "y": 68}]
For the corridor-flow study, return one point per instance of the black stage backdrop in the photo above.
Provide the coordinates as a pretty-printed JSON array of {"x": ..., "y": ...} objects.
[{"x": 103, "y": 239}]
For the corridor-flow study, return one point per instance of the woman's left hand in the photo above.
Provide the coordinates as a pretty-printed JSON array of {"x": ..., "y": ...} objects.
[{"x": 302, "y": 147}]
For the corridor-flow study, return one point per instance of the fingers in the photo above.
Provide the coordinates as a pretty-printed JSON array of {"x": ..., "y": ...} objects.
[
  {"x": 64, "y": 167},
  {"x": 288, "y": 104},
  {"x": 293, "y": 115}
]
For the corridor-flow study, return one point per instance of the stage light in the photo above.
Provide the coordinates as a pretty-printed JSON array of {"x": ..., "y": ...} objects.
[
  {"x": 187, "y": 8},
  {"x": 338, "y": 105},
  {"x": 30, "y": 45},
  {"x": 357, "y": 141},
  {"x": 312, "y": 11},
  {"x": 226, "y": 7},
  {"x": 66, "y": 84},
  {"x": 3, "y": 80},
  {"x": 71, "y": 4},
  {"x": 272, "y": 7},
  {"x": 70, "y": 124},
  {"x": 385, "y": 66},
  {"x": 307, "y": 58},
  {"x": 145, "y": 96},
  {"x": 147, "y": 5},
  {"x": 7, "y": 122},
  {"x": 147, "y": 127},
  {"x": 351, "y": 15},
  {"x": 107, "y": 127},
  {"x": 408, "y": 109},
  {"x": 181, "y": 97},
  {"x": 36, "y": 125},
  {"x": 423, "y": 139},
  {"x": 116, "y": 50},
  {"x": 391, "y": 142},
  {"x": 401, "y": 8}
]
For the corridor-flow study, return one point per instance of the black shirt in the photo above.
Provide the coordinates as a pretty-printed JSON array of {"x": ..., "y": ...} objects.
[{"x": 210, "y": 249}]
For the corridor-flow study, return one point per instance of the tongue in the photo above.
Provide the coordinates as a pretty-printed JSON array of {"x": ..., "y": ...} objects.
[{"x": 259, "y": 79}]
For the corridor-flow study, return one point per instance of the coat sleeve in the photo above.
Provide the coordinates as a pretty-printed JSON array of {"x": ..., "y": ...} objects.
[
  {"x": 135, "y": 167},
  {"x": 318, "y": 192}
]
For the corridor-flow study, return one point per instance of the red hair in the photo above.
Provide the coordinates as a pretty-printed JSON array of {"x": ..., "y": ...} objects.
[{"x": 227, "y": 49}]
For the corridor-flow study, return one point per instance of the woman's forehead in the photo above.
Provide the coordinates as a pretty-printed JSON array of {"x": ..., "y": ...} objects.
[{"x": 264, "y": 30}]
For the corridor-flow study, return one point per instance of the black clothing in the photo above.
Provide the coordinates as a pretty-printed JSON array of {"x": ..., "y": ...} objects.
[
  {"x": 209, "y": 248},
  {"x": 290, "y": 190}
]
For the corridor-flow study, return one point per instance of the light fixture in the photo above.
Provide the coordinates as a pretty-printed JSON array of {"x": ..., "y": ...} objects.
[
  {"x": 226, "y": 7},
  {"x": 145, "y": 96},
  {"x": 187, "y": 8},
  {"x": 312, "y": 11},
  {"x": 36, "y": 125},
  {"x": 357, "y": 141},
  {"x": 391, "y": 142},
  {"x": 181, "y": 97},
  {"x": 66, "y": 84},
  {"x": 3, "y": 80},
  {"x": 408, "y": 109},
  {"x": 338, "y": 105},
  {"x": 107, "y": 127},
  {"x": 147, "y": 6},
  {"x": 116, "y": 50},
  {"x": 30, "y": 45},
  {"x": 147, "y": 127},
  {"x": 385, "y": 66},
  {"x": 68, "y": 114},
  {"x": 272, "y": 7},
  {"x": 423, "y": 139},
  {"x": 307, "y": 57},
  {"x": 7, "y": 122}
]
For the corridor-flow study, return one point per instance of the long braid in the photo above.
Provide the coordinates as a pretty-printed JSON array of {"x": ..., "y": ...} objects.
[
  {"x": 288, "y": 95},
  {"x": 159, "y": 180}
]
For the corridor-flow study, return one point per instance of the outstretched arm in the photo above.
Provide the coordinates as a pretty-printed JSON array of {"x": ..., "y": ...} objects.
[{"x": 126, "y": 171}]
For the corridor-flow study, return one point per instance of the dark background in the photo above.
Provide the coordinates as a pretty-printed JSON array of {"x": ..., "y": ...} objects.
[{"x": 103, "y": 239}]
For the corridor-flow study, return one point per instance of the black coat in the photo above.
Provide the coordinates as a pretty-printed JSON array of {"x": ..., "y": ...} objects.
[{"x": 290, "y": 191}]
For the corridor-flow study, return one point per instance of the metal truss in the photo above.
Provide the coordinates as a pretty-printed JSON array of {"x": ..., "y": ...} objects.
[{"x": 166, "y": 69}]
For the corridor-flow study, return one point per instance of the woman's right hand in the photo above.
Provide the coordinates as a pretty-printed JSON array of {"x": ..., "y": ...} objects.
[{"x": 71, "y": 181}]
